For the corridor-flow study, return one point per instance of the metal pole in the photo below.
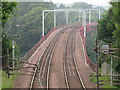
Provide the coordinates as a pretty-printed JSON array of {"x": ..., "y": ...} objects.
[
  {"x": 43, "y": 22},
  {"x": 13, "y": 46},
  {"x": 13, "y": 52},
  {"x": 54, "y": 18},
  {"x": 66, "y": 17},
  {"x": 79, "y": 16},
  {"x": 84, "y": 23},
  {"x": 85, "y": 33},
  {"x": 111, "y": 69},
  {"x": 99, "y": 13},
  {"x": 7, "y": 68},
  {"x": 7, "y": 57},
  {"x": 89, "y": 16},
  {"x": 97, "y": 60},
  {"x": 83, "y": 17}
]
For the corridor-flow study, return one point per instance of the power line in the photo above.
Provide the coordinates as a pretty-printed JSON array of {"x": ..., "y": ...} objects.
[
  {"x": 18, "y": 61},
  {"x": 109, "y": 54}
]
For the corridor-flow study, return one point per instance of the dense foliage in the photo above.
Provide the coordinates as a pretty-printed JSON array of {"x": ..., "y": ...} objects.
[
  {"x": 29, "y": 21},
  {"x": 29, "y": 18},
  {"x": 109, "y": 30},
  {"x": 7, "y": 9}
]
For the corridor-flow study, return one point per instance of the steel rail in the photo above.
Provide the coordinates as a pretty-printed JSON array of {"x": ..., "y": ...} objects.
[
  {"x": 48, "y": 73},
  {"x": 31, "y": 86},
  {"x": 33, "y": 78},
  {"x": 64, "y": 66},
  {"x": 54, "y": 43},
  {"x": 35, "y": 71},
  {"x": 65, "y": 71},
  {"x": 40, "y": 60},
  {"x": 73, "y": 60},
  {"x": 48, "y": 56},
  {"x": 76, "y": 67}
]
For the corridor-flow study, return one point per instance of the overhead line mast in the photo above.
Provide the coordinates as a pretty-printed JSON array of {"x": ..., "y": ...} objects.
[{"x": 55, "y": 11}]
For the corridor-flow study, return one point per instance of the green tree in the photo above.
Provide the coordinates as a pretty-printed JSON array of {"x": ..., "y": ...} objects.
[
  {"x": 81, "y": 5},
  {"x": 62, "y": 6},
  {"x": 106, "y": 27},
  {"x": 109, "y": 29},
  {"x": 29, "y": 17},
  {"x": 7, "y": 9},
  {"x": 116, "y": 33}
]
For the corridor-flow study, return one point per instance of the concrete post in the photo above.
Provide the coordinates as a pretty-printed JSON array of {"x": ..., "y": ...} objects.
[
  {"x": 79, "y": 16},
  {"x": 89, "y": 16},
  {"x": 54, "y": 18},
  {"x": 67, "y": 17},
  {"x": 99, "y": 13},
  {"x": 43, "y": 22},
  {"x": 13, "y": 52}
]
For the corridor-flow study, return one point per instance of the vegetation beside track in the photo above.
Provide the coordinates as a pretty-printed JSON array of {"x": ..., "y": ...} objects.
[
  {"x": 7, "y": 82},
  {"x": 107, "y": 80}
]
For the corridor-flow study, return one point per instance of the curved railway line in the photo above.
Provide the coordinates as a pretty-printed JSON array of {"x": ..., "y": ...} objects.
[
  {"x": 40, "y": 77},
  {"x": 57, "y": 62},
  {"x": 72, "y": 76},
  {"x": 71, "y": 72}
]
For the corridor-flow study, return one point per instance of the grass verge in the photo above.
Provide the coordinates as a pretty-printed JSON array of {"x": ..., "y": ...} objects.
[
  {"x": 7, "y": 82},
  {"x": 106, "y": 82}
]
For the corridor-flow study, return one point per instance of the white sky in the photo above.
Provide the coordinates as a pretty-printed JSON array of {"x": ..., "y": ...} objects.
[{"x": 93, "y": 2}]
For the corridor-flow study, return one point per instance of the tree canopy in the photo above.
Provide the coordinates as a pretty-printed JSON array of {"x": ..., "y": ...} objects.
[
  {"x": 109, "y": 29},
  {"x": 8, "y": 8}
]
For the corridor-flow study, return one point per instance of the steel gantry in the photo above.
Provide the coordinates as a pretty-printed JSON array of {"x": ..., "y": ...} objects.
[{"x": 83, "y": 15}]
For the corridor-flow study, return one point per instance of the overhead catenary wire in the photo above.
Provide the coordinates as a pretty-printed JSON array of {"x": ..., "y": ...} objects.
[
  {"x": 110, "y": 48},
  {"x": 105, "y": 53},
  {"x": 5, "y": 33},
  {"x": 109, "y": 54},
  {"x": 19, "y": 61}
]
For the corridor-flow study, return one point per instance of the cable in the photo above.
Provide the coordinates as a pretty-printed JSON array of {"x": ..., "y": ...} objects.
[
  {"x": 19, "y": 60},
  {"x": 5, "y": 33},
  {"x": 109, "y": 55}
]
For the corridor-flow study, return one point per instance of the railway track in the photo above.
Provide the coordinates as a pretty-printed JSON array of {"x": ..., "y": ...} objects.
[
  {"x": 71, "y": 72},
  {"x": 44, "y": 73},
  {"x": 40, "y": 77}
]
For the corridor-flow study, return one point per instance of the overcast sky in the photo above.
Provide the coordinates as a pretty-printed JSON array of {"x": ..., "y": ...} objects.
[{"x": 93, "y": 2}]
